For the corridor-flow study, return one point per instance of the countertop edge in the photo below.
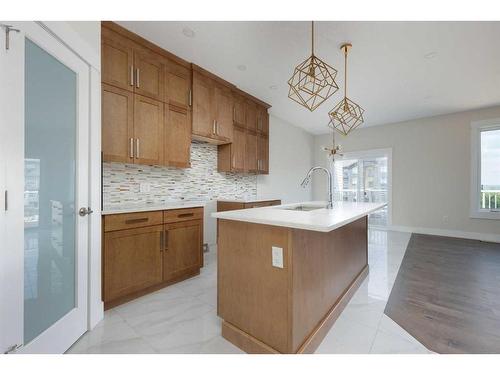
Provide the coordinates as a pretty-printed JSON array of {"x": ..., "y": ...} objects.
[{"x": 146, "y": 209}]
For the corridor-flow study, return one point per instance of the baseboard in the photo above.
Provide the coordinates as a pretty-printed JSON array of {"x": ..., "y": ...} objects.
[{"x": 487, "y": 237}]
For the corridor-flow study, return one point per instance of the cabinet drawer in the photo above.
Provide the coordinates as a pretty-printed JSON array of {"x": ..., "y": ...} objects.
[
  {"x": 132, "y": 220},
  {"x": 262, "y": 204},
  {"x": 173, "y": 216}
]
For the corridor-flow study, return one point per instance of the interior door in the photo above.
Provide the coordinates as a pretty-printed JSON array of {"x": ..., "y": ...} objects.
[{"x": 46, "y": 253}]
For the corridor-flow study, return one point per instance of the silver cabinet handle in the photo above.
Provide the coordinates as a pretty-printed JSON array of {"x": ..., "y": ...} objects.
[
  {"x": 233, "y": 162},
  {"x": 137, "y": 78},
  {"x": 190, "y": 98},
  {"x": 131, "y": 148},
  {"x": 137, "y": 148},
  {"x": 213, "y": 128},
  {"x": 131, "y": 75},
  {"x": 216, "y": 128}
]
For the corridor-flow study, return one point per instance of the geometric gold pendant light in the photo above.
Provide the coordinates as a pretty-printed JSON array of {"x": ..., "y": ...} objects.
[
  {"x": 313, "y": 81},
  {"x": 346, "y": 115}
]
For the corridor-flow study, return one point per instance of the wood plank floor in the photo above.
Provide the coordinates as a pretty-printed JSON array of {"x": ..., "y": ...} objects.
[{"x": 447, "y": 294}]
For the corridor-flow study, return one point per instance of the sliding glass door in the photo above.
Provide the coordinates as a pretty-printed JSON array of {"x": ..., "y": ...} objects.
[{"x": 364, "y": 177}]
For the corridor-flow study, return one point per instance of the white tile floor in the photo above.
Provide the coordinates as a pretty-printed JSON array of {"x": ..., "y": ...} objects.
[{"x": 182, "y": 318}]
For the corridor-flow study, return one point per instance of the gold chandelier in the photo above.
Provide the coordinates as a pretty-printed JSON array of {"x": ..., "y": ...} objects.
[
  {"x": 346, "y": 115},
  {"x": 313, "y": 81}
]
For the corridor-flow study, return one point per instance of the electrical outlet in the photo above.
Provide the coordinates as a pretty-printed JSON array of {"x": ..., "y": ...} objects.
[
  {"x": 144, "y": 187},
  {"x": 277, "y": 253}
]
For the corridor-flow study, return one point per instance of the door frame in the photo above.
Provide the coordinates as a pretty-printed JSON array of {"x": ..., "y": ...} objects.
[{"x": 67, "y": 38}]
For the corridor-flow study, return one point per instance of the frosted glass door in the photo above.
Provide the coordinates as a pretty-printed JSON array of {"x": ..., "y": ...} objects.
[
  {"x": 47, "y": 179},
  {"x": 49, "y": 190}
]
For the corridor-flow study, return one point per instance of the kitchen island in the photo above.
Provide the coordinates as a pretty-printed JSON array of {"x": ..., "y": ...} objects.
[{"x": 285, "y": 273}]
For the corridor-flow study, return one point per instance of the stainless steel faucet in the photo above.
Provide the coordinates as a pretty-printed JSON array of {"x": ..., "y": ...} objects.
[{"x": 307, "y": 180}]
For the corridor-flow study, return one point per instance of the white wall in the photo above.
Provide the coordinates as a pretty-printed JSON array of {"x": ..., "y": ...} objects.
[
  {"x": 290, "y": 157},
  {"x": 430, "y": 173}
]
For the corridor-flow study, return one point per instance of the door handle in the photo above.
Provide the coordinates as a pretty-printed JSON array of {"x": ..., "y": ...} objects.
[
  {"x": 131, "y": 148},
  {"x": 137, "y": 145},
  {"x": 84, "y": 211},
  {"x": 131, "y": 75}
]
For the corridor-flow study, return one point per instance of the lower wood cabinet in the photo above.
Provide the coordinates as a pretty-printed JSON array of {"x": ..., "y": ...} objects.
[
  {"x": 183, "y": 248},
  {"x": 132, "y": 260},
  {"x": 146, "y": 251}
]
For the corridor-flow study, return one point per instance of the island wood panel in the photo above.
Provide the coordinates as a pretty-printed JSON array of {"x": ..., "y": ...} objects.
[
  {"x": 287, "y": 310},
  {"x": 252, "y": 294},
  {"x": 323, "y": 268}
]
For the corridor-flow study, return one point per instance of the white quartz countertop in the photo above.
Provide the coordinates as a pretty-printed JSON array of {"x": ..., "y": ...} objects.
[
  {"x": 127, "y": 208},
  {"x": 250, "y": 200},
  {"x": 321, "y": 219}
]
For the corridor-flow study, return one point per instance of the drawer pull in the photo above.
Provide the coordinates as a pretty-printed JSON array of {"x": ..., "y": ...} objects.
[
  {"x": 133, "y": 221},
  {"x": 186, "y": 215}
]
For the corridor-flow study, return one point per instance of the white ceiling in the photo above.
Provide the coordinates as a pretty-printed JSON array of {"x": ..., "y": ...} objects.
[{"x": 389, "y": 75}]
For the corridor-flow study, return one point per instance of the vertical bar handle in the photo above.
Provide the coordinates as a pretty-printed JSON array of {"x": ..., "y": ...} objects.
[
  {"x": 138, "y": 78},
  {"x": 137, "y": 145},
  {"x": 190, "y": 97},
  {"x": 131, "y": 75},
  {"x": 131, "y": 148}
]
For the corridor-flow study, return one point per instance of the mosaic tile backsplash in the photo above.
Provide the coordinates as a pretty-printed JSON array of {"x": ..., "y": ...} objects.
[{"x": 121, "y": 182}]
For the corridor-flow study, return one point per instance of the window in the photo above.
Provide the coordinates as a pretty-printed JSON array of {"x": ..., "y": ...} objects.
[
  {"x": 485, "y": 169},
  {"x": 365, "y": 177}
]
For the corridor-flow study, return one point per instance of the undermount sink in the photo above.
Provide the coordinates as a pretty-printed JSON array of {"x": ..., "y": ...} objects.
[{"x": 302, "y": 208}]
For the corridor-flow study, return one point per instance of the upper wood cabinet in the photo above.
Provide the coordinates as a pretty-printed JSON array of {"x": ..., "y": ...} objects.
[
  {"x": 262, "y": 154},
  {"x": 178, "y": 85},
  {"x": 212, "y": 110},
  {"x": 262, "y": 120},
  {"x": 239, "y": 118},
  {"x": 223, "y": 101},
  {"x": 251, "y": 115},
  {"x": 177, "y": 137},
  {"x": 117, "y": 60},
  {"x": 148, "y": 74},
  {"x": 148, "y": 130},
  {"x": 251, "y": 153},
  {"x": 117, "y": 124},
  {"x": 231, "y": 157}
]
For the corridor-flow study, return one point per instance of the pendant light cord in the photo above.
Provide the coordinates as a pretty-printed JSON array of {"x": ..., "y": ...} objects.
[
  {"x": 312, "y": 38},
  {"x": 345, "y": 72}
]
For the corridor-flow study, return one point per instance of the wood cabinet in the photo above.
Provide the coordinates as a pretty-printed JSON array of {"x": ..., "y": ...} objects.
[
  {"x": 262, "y": 154},
  {"x": 262, "y": 120},
  {"x": 231, "y": 157},
  {"x": 148, "y": 74},
  {"x": 183, "y": 248},
  {"x": 239, "y": 117},
  {"x": 145, "y": 251},
  {"x": 212, "y": 110},
  {"x": 177, "y": 85},
  {"x": 251, "y": 152},
  {"x": 117, "y": 114},
  {"x": 148, "y": 130},
  {"x": 117, "y": 60},
  {"x": 177, "y": 137},
  {"x": 132, "y": 260},
  {"x": 251, "y": 115}
]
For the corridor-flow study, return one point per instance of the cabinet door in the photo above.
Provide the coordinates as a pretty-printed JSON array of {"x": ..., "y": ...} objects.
[
  {"x": 251, "y": 152},
  {"x": 224, "y": 113},
  {"x": 251, "y": 115},
  {"x": 238, "y": 150},
  {"x": 117, "y": 124},
  {"x": 177, "y": 85},
  {"x": 239, "y": 118},
  {"x": 148, "y": 74},
  {"x": 263, "y": 154},
  {"x": 203, "y": 114},
  {"x": 117, "y": 59},
  {"x": 132, "y": 260},
  {"x": 148, "y": 130},
  {"x": 263, "y": 120},
  {"x": 177, "y": 137},
  {"x": 183, "y": 248}
]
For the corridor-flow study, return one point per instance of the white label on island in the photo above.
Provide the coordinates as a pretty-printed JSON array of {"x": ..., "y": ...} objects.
[{"x": 277, "y": 257}]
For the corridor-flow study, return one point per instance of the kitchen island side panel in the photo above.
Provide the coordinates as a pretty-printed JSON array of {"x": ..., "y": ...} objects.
[{"x": 324, "y": 267}]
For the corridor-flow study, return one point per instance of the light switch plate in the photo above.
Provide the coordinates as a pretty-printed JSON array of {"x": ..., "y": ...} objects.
[{"x": 277, "y": 257}]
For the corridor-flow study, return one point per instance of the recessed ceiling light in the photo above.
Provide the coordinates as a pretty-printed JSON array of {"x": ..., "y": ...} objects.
[
  {"x": 273, "y": 87},
  {"x": 430, "y": 55},
  {"x": 188, "y": 32},
  {"x": 242, "y": 67}
]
